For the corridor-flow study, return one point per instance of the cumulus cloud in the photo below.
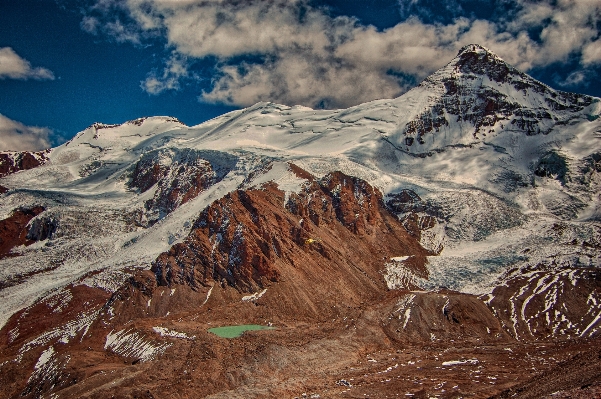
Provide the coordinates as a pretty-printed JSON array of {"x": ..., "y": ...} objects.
[
  {"x": 300, "y": 79},
  {"x": 15, "y": 136},
  {"x": 12, "y": 66},
  {"x": 567, "y": 28},
  {"x": 291, "y": 52}
]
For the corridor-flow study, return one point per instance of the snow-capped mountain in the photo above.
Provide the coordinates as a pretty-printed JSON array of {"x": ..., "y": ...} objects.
[{"x": 466, "y": 210}]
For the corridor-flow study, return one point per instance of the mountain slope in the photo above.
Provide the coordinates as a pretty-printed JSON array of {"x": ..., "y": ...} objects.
[{"x": 465, "y": 211}]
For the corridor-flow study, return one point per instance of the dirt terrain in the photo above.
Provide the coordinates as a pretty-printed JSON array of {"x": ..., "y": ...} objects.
[{"x": 347, "y": 351}]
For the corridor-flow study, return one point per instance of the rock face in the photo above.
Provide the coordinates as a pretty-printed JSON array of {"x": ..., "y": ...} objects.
[
  {"x": 441, "y": 317},
  {"x": 253, "y": 238},
  {"x": 13, "y": 230},
  {"x": 45, "y": 342},
  {"x": 180, "y": 175},
  {"x": 11, "y": 162},
  {"x": 421, "y": 219},
  {"x": 543, "y": 302},
  {"x": 43, "y": 227}
]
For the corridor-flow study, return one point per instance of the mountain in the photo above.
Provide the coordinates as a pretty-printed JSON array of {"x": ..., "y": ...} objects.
[{"x": 445, "y": 243}]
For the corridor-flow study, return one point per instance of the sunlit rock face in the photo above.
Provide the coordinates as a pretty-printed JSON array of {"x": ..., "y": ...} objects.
[{"x": 249, "y": 238}]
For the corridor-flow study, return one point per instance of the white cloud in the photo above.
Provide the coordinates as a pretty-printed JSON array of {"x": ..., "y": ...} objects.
[
  {"x": 567, "y": 27},
  {"x": 15, "y": 136},
  {"x": 301, "y": 79},
  {"x": 90, "y": 24},
  {"x": 14, "y": 67},
  {"x": 573, "y": 79},
  {"x": 175, "y": 70},
  {"x": 308, "y": 57},
  {"x": 591, "y": 54}
]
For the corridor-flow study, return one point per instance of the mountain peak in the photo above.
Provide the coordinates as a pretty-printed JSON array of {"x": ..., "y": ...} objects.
[
  {"x": 474, "y": 48},
  {"x": 474, "y": 61},
  {"x": 479, "y": 95},
  {"x": 478, "y": 60}
]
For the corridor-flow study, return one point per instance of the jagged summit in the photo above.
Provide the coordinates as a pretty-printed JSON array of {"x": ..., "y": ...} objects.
[
  {"x": 474, "y": 60},
  {"x": 477, "y": 60},
  {"x": 478, "y": 52},
  {"x": 474, "y": 48}
]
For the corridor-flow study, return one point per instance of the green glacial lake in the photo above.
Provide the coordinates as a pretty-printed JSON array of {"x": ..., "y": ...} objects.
[{"x": 236, "y": 331}]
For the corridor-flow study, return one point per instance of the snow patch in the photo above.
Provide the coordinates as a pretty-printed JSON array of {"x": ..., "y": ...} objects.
[
  {"x": 459, "y": 362},
  {"x": 399, "y": 276},
  {"x": 208, "y": 295},
  {"x": 44, "y": 358},
  {"x": 165, "y": 332},
  {"x": 62, "y": 334},
  {"x": 47, "y": 368},
  {"x": 254, "y": 296},
  {"x": 129, "y": 343},
  {"x": 281, "y": 174}
]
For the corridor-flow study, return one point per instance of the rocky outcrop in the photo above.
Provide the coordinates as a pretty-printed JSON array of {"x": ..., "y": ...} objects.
[
  {"x": 441, "y": 317},
  {"x": 252, "y": 238},
  {"x": 43, "y": 227},
  {"x": 422, "y": 219},
  {"x": 552, "y": 165},
  {"x": 44, "y": 341},
  {"x": 13, "y": 230},
  {"x": 11, "y": 162},
  {"x": 179, "y": 176},
  {"x": 549, "y": 302}
]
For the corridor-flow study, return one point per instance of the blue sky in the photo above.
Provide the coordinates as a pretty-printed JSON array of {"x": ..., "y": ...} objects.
[{"x": 65, "y": 64}]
